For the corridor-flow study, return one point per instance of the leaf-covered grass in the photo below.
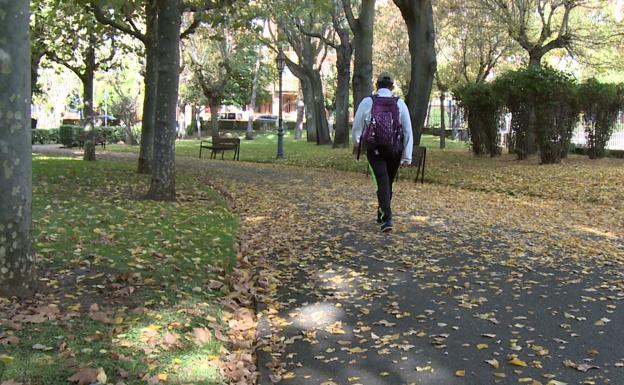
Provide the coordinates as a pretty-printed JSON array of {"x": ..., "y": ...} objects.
[
  {"x": 576, "y": 179},
  {"x": 125, "y": 283}
]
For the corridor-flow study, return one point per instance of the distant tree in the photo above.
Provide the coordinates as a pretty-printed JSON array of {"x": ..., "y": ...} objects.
[
  {"x": 139, "y": 19},
  {"x": 125, "y": 106},
  {"x": 76, "y": 41},
  {"x": 17, "y": 259},
  {"x": 540, "y": 27},
  {"x": 310, "y": 54},
  {"x": 341, "y": 42},
  {"x": 209, "y": 62}
]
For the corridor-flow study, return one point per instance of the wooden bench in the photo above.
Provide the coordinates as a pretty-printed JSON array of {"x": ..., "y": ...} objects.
[{"x": 221, "y": 145}]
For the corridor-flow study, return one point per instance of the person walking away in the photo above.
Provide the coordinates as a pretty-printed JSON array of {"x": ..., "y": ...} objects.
[{"x": 383, "y": 128}]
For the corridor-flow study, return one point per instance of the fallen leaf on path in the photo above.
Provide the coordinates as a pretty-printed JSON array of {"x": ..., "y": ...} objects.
[{"x": 88, "y": 376}]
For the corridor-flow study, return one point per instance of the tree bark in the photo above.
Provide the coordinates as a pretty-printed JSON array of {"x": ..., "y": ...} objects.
[
  {"x": 300, "y": 114},
  {"x": 214, "y": 118},
  {"x": 308, "y": 100},
  {"x": 17, "y": 259},
  {"x": 343, "y": 66},
  {"x": 87, "y": 97},
  {"x": 362, "y": 29},
  {"x": 418, "y": 17},
  {"x": 163, "y": 168},
  {"x": 194, "y": 123},
  {"x": 151, "y": 88},
  {"x": 442, "y": 123},
  {"x": 535, "y": 59},
  {"x": 320, "y": 116}
]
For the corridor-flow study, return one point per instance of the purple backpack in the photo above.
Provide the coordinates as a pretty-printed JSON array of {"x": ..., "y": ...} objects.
[{"x": 384, "y": 129}]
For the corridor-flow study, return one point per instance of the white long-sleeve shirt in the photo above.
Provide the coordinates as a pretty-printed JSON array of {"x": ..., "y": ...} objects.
[{"x": 362, "y": 118}]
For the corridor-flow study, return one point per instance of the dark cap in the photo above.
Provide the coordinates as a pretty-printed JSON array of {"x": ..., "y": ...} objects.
[{"x": 385, "y": 77}]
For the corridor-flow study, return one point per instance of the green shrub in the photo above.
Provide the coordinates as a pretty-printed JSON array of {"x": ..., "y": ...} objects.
[
  {"x": 544, "y": 108},
  {"x": 45, "y": 136},
  {"x": 113, "y": 134},
  {"x": 600, "y": 104},
  {"x": 482, "y": 107},
  {"x": 69, "y": 135}
]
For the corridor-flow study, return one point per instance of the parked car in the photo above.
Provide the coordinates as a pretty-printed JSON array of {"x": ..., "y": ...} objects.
[{"x": 267, "y": 118}]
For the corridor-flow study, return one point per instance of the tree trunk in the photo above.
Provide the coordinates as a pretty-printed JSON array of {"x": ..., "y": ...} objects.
[
  {"x": 418, "y": 17},
  {"x": 87, "y": 97},
  {"x": 214, "y": 118},
  {"x": 151, "y": 85},
  {"x": 194, "y": 124},
  {"x": 17, "y": 259},
  {"x": 363, "y": 52},
  {"x": 252, "y": 100},
  {"x": 130, "y": 141},
  {"x": 341, "y": 125},
  {"x": 308, "y": 98},
  {"x": 442, "y": 123},
  {"x": 163, "y": 168},
  {"x": 300, "y": 113},
  {"x": 535, "y": 59},
  {"x": 320, "y": 116}
]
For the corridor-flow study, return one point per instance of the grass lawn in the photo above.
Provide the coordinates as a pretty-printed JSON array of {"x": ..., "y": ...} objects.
[
  {"x": 576, "y": 179},
  {"x": 124, "y": 282}
]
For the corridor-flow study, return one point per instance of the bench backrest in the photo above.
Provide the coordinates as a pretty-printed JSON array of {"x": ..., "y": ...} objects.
[{"x": 228, "y": 141}]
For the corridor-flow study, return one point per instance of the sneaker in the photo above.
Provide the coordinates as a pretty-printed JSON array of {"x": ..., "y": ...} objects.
[{"x": 386, "y": 227}]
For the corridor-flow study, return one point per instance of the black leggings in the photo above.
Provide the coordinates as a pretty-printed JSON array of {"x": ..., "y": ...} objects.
[{"x": 384, "y": 164}]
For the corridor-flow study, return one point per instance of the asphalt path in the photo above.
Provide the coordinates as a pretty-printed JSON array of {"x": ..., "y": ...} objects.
[{"x": 470, "y": 288}]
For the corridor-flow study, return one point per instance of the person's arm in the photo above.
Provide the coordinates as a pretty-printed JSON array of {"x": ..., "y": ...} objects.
[
  {"x": 359, "y": 121},
  {"x": 408, "y": 139}
]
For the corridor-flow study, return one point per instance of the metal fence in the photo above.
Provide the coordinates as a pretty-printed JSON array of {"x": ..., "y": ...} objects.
[
  {"x": 456, "y": 122},
  {"x": 617, "y": 138}
]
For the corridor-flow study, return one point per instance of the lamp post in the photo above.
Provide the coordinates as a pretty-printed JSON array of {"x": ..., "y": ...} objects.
[{"x": 281, "y": 62}]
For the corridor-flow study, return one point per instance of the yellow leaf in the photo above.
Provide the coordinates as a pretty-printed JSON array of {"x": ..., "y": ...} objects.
[
  {"x": 5, "y": 358},
  {"x": 288, "y": 376},
  {"x": 517, "y": 362},
  {"x": 162, "y": 376},
  {"x": 482, "y": 346},
  {"x": 494, "y": 363},
  {"x": 460, "y": 373},
  {"x": 153, "y": 327}
]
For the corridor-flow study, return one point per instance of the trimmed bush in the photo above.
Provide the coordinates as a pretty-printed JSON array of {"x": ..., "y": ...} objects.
[
  {"x": 482, "y": 107},
  {"x": 600, "y": 104},
  {"x": 544, "y": 107},
  {"x": 69, "y": 136},
  {"x": 45, "y": 136}
]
